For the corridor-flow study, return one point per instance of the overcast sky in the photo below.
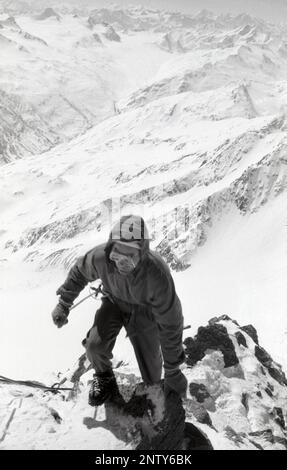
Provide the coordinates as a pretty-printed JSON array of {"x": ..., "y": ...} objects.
[{"x": 273, "y": 10}]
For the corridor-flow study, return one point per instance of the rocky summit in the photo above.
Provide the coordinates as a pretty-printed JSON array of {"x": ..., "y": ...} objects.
[{"x": 236, "y": 400}]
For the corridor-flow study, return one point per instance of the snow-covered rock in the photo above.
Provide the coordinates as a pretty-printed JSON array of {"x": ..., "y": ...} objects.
[
  {"x": 48, "y": 13},
  {"x": 22, "y": 131},
  {"x": 237, "y": 383},
  {"x": 111, "y": 34},
  {"x": 9, "y": 22}
]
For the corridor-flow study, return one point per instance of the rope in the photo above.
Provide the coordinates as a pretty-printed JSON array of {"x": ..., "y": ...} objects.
[
  {"x": 32, "y": 383},
  {"x": 53, "y": 388},
  {"x": 41, "y": 386}
]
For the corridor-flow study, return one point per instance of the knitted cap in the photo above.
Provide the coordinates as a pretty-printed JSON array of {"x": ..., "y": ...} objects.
[{"x": 130, "y": 228}]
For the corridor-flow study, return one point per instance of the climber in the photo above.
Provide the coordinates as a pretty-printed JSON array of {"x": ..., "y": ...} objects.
[{"x": 139, "y": 294}]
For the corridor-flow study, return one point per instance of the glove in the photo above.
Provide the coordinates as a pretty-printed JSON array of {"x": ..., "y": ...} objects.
[
  {"x": 60, "y": 315},
  {"x": 176, "y": 382}
]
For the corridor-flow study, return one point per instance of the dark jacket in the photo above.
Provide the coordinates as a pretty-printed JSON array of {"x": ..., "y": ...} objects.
[{"x": 148, "y": 290}]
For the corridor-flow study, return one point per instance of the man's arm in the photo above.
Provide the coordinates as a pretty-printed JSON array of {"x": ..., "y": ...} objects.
[
  {"x": 167, "y": 310},
  {"x": 82, "y": 272}
]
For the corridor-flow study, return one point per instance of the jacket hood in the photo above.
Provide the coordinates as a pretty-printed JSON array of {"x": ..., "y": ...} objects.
[{"x": 129, "y": 228}]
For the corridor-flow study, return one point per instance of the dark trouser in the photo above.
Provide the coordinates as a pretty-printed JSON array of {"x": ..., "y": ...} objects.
[{"x": 101, "y": 338}]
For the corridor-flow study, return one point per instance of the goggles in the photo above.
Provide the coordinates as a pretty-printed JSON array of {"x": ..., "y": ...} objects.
[{"x": 124, "y": 261}]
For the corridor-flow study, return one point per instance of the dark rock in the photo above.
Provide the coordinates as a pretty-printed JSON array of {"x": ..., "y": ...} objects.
[
  {"x": 278, "y": 375},
  {"x": 240, "y": 339},
  {"x": 195, "y": 439},
  {"x": 138, "y": 406},
  {"x": 270, "y": 386},
  {"x": 269, "y": 392},
  {"x": 259, "y": 394},
  {"x": 214, "y": 337},
  {"x": 277, "y": 413},
  {"x": 242, "y": 203},
  {"x": 266, "y": 434},
  {"x": 258, "y": 446},
  {"x": 199, "y": 412},
  {"x": 199, "y": 391},
  {"x": 273, "y": 368},
  {"x": 134, "y": 422},
  {"x": 169, "y": 434},
  {"x": 263, "y": 356},
  {"x": 233, "y": 435},
  {"x": 214, "y": 320},
  {"x": 263, "y": 372},
  {"x": 251, "y": 331},
  {"x": 244, "y": 401},
  {"x": 56, "y": 415},
  {"x": 170, "y": 257},
  {"x": 204, "y": 417},
  {"x": 281, "y": 440}
]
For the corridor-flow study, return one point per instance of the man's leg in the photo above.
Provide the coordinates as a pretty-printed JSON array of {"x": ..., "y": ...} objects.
[
  {"x": 101, "y": 338},
  {"x": 145, "y": 340},
  {"x": 99, "y": 344}
]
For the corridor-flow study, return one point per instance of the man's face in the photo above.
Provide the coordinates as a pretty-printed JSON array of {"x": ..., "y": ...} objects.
[{"x": 125, "y": 258}]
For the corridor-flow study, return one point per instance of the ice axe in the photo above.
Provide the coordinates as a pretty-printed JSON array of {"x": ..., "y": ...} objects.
[{"x": 94, "y": 294}]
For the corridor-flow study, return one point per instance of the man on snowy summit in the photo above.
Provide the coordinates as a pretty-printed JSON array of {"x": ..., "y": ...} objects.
[{"x": 139, "y": 294}]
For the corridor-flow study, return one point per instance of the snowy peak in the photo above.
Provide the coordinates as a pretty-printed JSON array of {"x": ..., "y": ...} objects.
[
  {"x": 143, "y": 19},
  {"x": 10, "y": 22},
  {"x": 119, "y": 18},
  {"x": 204, "y": 15},
  {"x": 48, "y": 13},
  {"x": 184, "y": 52}
]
